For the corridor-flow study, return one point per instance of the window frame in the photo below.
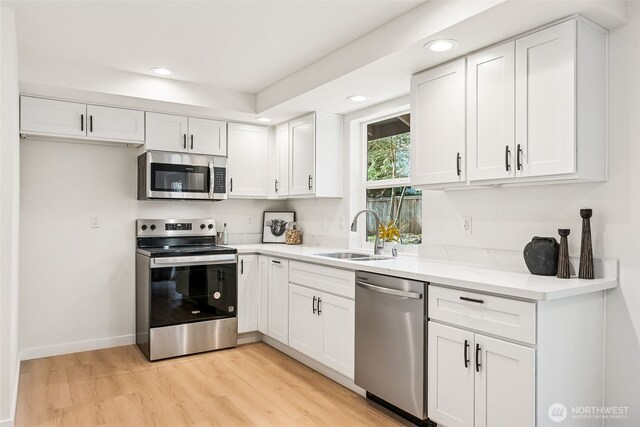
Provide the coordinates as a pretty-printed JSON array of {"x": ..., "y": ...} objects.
[{"x": 384, "y": 183}]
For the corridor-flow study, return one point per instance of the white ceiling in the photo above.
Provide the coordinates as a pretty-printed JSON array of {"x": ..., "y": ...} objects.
[{"x": 242, "y": 46}]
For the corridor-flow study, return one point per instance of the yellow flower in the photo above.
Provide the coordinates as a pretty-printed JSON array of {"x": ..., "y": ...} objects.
[{"x": 389, "y": 232}]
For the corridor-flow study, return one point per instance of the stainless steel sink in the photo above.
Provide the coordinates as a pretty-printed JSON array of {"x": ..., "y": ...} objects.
[{"x": 353, "y": 256}]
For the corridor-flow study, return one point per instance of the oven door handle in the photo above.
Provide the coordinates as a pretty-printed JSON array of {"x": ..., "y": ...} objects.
[{"x": 180, "y": 261}]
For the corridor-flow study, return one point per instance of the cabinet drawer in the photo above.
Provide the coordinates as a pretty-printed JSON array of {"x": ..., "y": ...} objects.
[
  {"x": 326, "y": 279},
  {"x": 485, "y": 313}
]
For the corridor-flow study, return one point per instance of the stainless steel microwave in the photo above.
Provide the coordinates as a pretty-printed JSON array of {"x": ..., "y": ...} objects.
[{"x": 178, "y": 176}]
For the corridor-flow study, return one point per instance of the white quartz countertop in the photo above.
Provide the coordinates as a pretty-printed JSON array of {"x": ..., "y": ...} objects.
[{"x": 473, "y": 278}]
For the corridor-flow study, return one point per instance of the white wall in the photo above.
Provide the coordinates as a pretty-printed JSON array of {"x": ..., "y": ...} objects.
[
  {"x": 77, "y": 282},
  {"x": 9, "y": 217},
  {"x": 507, "y": 218}
]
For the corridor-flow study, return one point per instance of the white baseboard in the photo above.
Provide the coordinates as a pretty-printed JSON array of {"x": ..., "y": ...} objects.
[
  {"x": 249, "y": 337},
  {"x": 6, "y": 423},
  {"x": 316, "y": 366},
  {"x": 75, "y": 347}
]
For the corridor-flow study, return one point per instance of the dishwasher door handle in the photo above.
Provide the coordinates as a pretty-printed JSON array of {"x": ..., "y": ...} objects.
[{"x": 388, "y": 291}]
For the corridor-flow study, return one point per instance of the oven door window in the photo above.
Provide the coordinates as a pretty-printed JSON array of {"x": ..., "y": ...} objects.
[
  {"x": 192, "y": 293},
  {"x": 179, "y": 178}
]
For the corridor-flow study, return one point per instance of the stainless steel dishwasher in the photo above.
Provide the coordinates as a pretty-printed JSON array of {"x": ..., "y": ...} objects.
[{"x": 390, "y": 342}]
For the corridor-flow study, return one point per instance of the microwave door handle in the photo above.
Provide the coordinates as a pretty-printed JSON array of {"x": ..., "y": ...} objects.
[{"x": 211, "y": 180}]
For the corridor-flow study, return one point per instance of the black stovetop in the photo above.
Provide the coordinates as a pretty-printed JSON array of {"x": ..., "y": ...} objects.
[{"x": 181, "y": 246}]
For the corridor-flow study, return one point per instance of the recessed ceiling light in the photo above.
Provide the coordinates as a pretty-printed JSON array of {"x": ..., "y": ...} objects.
[
  {"x": 357, "y": 98},
  {"x": 264, "y": 119},
  {"x": 442, "y": 45},
  {"x": 162, "y": 71}
]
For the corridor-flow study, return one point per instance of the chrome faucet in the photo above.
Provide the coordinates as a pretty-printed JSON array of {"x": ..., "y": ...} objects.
[{"x": 379, "y": 244}]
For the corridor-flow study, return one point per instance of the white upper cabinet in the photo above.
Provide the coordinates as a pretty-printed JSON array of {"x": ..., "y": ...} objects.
[
  {"x": 166, "y": 132},
  {"x": 247, "y": 164},
  {"x": 281, "y": 180},
  {"x": 115, "y": 123},
  {"x": 303, "y": 146},
  {"x": 314, "y": 155},
  {"x": 545, "y": 101},
  {"x": 207, "y": 137},
  {"x": 535, "y": 112},
  {"x": 47, "y": 117},
  {"x": 438, "y": 125},
  {"x": 491, "y": 113}
]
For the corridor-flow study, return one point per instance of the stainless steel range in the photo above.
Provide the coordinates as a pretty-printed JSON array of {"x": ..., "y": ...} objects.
[{"x": 186, "y": 288}]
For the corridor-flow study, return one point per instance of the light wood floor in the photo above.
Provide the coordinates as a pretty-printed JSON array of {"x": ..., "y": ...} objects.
[{"x": 252, "y": 384}]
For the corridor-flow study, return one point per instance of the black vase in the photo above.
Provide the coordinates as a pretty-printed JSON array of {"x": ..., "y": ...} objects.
[{"x": 541, "y": 256}]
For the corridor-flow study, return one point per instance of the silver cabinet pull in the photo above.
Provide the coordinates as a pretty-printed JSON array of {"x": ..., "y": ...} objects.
[{"x": 388, "y": 291}]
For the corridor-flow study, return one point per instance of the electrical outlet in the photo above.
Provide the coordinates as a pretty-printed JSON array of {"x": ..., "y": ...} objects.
[
  {"x": 466, "y": 224},
  {"x": 95, "y": 221}
]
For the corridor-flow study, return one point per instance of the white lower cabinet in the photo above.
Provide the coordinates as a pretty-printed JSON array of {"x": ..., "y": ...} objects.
[
  {"x": 322, "y": 326},
  {"x": 278, "y": 300},
  {"x": 263, "y": 294},
  {"x": 451, "y": 375},
  {"x": 248, "y": 289},
  {"x": 336, "y": 344},
  {"x": 303, "y": 320},
  {"x": 479, "y": 381},
  {"x": 504, "y": 383},
  {"x": 497, "y": 361}
]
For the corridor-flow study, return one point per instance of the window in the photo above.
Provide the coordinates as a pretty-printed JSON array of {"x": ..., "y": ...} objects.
[{"x": 387, "y": 189}]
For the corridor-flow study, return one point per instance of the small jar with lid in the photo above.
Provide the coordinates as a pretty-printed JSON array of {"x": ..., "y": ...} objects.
[{"x": 292, "y": 235}]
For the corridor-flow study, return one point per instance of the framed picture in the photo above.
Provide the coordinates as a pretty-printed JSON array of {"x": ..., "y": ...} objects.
[{"x": 274, "y": 224}]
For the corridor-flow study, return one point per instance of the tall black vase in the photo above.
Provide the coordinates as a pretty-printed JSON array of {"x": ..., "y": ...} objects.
[
  {"x": 586, "y": 248},
  {"x": 564, "y": 268}
]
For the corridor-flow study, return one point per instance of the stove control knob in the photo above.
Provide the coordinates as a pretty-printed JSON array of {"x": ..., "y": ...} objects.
[
  {"x": 210, "y": 226},
  {"x": 144, "y": 227},
  {"x": 153, "y": 227},
  {"x": 202, "y": 226}
]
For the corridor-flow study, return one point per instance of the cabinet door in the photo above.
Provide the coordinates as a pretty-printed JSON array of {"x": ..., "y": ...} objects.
[
  {"x": 207, "y": 137},
  {"x": 47, "y": 116},
  {"x": 450, "y": 375},
  {"x": 438, "y": 125},
  {"x": 302, "y": 155},
  {"x": 303, "y": 320},
  {"x": 247, "y": 164},
  {"x": 248, "y": 282},
  {"x": 504, "y": 384},
  {"x": 115, "y": 123},
  {"x": 263, "y": 294},
  {"x": 282, "y": 160},
  {"x": 278, "y": 313},
  {"x": 545, "y": 101},
  {"x": 491, "y": 113},
  {"x": 337, "y": 333},
  {"x": 166, "y": 132}
]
